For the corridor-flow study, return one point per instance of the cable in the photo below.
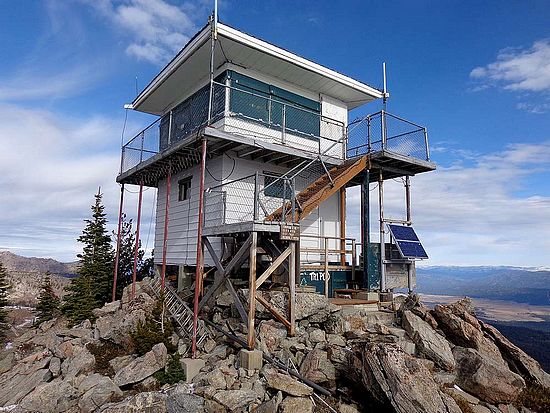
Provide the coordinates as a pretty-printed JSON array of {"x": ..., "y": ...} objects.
[
  {"x": 136, "y": 192},
  {"x": 123, "y": 127},
  {"x": 228, "y": 176}
]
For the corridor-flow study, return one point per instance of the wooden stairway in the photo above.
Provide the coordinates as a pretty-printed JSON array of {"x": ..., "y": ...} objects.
[{"x": 319, "y": 191}]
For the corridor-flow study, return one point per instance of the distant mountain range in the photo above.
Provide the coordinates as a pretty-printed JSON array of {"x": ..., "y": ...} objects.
[
  {"x": 25, "y": 275},
  {"x": 524, "y": 285}
]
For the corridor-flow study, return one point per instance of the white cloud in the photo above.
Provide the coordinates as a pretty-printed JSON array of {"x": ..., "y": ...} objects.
[
  {"x": 157, "y": 28},
  {"x": 526, "y": 70},
  {"x": 50, "y": 167},
  {"x": 485, "y": 214}
]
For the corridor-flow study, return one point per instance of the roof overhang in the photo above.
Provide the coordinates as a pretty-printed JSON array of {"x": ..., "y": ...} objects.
[{"x": 190, "y": 69}]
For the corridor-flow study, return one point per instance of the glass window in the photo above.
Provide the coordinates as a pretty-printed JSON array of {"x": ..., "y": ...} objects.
[{"x": 184, "y": 189}]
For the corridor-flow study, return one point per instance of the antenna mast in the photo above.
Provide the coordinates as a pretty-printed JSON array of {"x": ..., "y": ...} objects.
[{"x": 385, "y": 97}]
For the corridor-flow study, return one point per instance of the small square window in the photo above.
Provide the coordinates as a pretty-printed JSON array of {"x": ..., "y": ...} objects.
[{"x": 184, "y": 189}]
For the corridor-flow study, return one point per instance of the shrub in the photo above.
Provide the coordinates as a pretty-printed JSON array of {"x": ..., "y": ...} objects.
[
  {"x": 534, "y": 397},
  {"x": 104, "y": 352},
  {"x": 173, "y": 373},
  {"x": 157, "y": 328}
]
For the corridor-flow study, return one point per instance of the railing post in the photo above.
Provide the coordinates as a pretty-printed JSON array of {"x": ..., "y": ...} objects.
[
  {"x": 426, "y": 143},
  {"x": 284, "y": 125},
  {"x": 368, "y": 135},
  {"x": 326, "y": 268},
  {"x": 142, "y": 142},
  {"x": 283, "y": 210},
  {"x": 256, "y": 195},
  {"x": 384, "y": 132},
  {"x": 170, "y": 129}
]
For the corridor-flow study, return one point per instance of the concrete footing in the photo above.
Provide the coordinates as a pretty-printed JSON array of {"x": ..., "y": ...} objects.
[
  {"x": 251, "y": 359},
  {"x": 191, "y": 367}
]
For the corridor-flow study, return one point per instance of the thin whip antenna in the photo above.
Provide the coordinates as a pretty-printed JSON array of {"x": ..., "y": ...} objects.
[
  {"x": 215, "y": 19},
  {"x": 385, "y": 97}
]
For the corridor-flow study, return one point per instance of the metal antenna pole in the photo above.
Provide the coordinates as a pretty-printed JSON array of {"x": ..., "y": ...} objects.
[
  {"x": 385, "y": 97},
  {"x": 213, "y": 36},
  {"x": 118, "y": 240},
  {"x": 166, "y": 219}
]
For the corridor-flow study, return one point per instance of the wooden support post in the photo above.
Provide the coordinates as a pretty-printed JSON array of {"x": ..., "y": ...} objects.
[
  {"x": 252, "y": 291},
  {"x": 382, "y": 233},
  {"x": 365, "y": 229},
  {"x": 136, "y": 249},
  {"x": 343, "y": 225},
  {"x": 118, "y": 240},
  {"x": 292, "y": 289}
]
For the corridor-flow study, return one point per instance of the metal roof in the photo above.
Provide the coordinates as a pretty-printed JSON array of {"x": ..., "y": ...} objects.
[{"x": 190, "y": 69}]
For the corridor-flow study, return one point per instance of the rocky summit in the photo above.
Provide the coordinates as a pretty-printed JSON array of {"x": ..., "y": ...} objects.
[{"x": 342, "y": 359}]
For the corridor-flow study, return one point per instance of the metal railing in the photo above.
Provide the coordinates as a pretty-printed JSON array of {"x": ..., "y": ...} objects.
[
  {"x": 244, "y": 113},
  {"x": 251, "y": 198},
  {"x": 141, "y": 147},
  {"x": 384, "y": 131}
]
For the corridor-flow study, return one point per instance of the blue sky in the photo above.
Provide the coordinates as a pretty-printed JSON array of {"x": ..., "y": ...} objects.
[{"x": 477, "y": 74}]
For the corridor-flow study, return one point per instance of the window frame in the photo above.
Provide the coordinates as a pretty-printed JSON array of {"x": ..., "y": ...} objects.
[{"x": 184, "y": 189}]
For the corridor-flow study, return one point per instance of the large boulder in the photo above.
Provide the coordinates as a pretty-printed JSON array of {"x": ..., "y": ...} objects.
[
  {"x": 150, "y": 402},
  {"x": 56, "y": 396},
  {"x": 296, "y": 405},
  {"x": 463, "y": 329},
  {"x": 308, "y": 305},
  {"x": 96, "y": 390},
  {"x": 286, "y": 384},
  {"x": 428, "y": 342},
  {"x": 317, "y": 367},
  {"x": 235, "y": 400},
  {"x": 24, "y": 377},
  {"x": 396, "y": 378},
  {"x": 142, "y": 367},
  {"x": 485, "y": 378},
  {"x": 82, "y": 361},
  {"x": 517, "y": 359}
]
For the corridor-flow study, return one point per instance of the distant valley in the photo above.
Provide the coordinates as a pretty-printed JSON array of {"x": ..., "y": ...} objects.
[{"x": 26, "y": 274}]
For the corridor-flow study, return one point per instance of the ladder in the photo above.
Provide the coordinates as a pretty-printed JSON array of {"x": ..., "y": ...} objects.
[{"x": 179, "y": 311}]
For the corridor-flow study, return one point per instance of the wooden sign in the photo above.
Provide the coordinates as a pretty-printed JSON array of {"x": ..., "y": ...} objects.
[{"x": 290, "y": 232}]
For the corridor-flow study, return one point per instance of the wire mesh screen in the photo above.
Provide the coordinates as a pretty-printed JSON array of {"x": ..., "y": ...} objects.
[
  {"x": 384, "y": 131},
  {"x": 140, "y": 148}
]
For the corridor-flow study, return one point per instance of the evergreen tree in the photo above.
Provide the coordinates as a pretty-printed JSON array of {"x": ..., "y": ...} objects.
[
  {"x": 93, "y": 286},
  {"x": 48, "y": 301},
  {"x": 4, "y": 287},
  {"x": 126, "y": 257},
  {"x": 157, "y": 328}
]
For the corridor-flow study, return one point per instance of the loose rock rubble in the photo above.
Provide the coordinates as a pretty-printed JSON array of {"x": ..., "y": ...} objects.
[{"x": 415, "y": 360}]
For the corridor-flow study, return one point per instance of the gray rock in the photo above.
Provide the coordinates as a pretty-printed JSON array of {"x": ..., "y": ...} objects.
[
  {"x": 56, "y": 396},
  {"x": 96, "y": 390},
  {"x": 235, "y": 399},
  {"x": 336, "y": 339},
  {"x": 428, "y": 342},
  {"x": 109, "y": 308},
  {"x": 394, "y": 377},
  {"x": 142, "y": 367},
  {"x": 82, "y": 361},
  {"x": 22, "y": 379},
  {"x": 119, "y": 362},
  {"x": 150, "y": 402},
  {"x": 517, "y": 359},
  {"x": 486, "y": 378},
  {"x": 7, "y": 362},
  {"x": 317, "y": 367},
  {"x": 466, "y": 396},
  {"x": 55, "y": 366},
  {"x": 286, "y": 383},
  {"x": 117, "y": 327},
  {"x": 296, "y": 405},
  {"x": 317, "y": 336},
  {"x": 271, "y": 334},
  {"x": 180, "y": 400}
]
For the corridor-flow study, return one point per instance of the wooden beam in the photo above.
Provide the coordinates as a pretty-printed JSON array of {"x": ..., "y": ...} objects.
[
  {"x": 251, "y": 339},
  {"x": 239, "y": 258},
  {"x": 213, "y": 255},
  {"x": 238, "y": 303},
  {"x": 276, "y": 313},
  {"x": 343, "y": 225},
  {"x": 278, "y": 261},
  {"x": 292, "y": 289}
]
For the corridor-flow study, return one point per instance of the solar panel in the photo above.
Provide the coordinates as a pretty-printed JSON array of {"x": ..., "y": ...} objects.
[
  {"x": 407, "y": 242},
  {"x": 404, "y": 233}
]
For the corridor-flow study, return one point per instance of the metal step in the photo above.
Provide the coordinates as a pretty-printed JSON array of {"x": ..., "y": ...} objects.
[{"x": 179, "y": 311}]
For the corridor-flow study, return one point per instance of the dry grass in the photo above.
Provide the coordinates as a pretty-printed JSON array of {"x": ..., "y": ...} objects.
[{"x": 534, "y": 397}]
